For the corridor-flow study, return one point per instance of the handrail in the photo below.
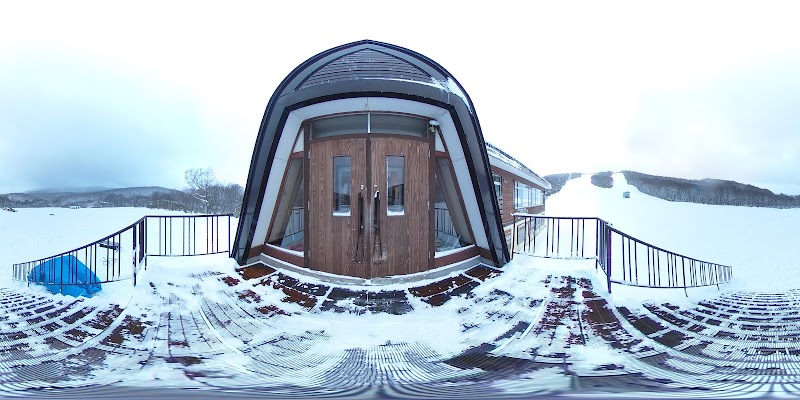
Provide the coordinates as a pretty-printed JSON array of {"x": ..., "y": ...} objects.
[
  {"x": 104, "y": 258},
  {"x": 97, "y": 242},
  {"x": 660, "y": 268}
]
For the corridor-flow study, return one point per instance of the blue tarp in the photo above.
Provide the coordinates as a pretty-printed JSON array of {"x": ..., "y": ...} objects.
[{"x": 78, "y": 279}]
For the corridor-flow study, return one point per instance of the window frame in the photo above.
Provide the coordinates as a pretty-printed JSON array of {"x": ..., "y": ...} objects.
[
  {"x": 339, "y": 197},
  {"x": 392, "y": 199}
]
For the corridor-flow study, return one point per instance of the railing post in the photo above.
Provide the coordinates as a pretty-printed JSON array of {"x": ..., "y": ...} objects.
[
  {"x": 608, "y": 256},
  {"x": 143, "y": 239},
  {"x": 528, "y": 234},
  {"x": 513, "y": 236},
  {"x": 134, "y": 239},
  {"x": 597, "y": 239}
]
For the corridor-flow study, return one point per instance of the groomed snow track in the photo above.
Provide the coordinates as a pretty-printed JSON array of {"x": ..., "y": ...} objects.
[{"x": 245, "y": 339}]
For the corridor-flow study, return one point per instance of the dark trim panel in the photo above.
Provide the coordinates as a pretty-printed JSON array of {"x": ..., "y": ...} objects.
[
  {"x": 465, "y": 254},
  {"x": 283, "y": 256}
]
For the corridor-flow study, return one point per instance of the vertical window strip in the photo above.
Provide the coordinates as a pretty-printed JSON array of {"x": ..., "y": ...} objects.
[{"x": 341, "y": 186}]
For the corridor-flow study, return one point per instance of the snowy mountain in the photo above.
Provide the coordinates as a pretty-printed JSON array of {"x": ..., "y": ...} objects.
[
  {"x": 760, "y": 243},
  {"x": 557, "y": 181},
  {"x": 709, "y": 191},
  {"x": 146, "y": 196},
  {"x": 700, "y": 191},
  {"x": 82, "y": 189}
]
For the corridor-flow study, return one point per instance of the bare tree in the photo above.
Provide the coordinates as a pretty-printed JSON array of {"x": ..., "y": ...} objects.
[
  {"x": 201, "y": 182},
  {"x": 228, "y": 198},
  {"x": 217, "y": 197}
]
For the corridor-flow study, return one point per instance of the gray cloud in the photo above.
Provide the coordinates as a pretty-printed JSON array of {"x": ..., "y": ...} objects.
[
  {"x": 88, "y": 100},
  {"x": 743, "y": 126},
  {"x": 69, "y": 122}
]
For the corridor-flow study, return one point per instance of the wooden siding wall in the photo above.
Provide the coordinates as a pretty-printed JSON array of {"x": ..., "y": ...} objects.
[
  {"x": 406, "y": 238},
  {"x": 331, "y": 240}
]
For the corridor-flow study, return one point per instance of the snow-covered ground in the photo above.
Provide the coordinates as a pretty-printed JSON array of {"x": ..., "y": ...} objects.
[
  {"x": 34, "y": 233},
  {"x": 760, "y": 243}
]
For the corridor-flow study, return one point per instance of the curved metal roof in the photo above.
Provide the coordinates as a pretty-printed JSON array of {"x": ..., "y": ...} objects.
[{"x": 370, "y": 69}]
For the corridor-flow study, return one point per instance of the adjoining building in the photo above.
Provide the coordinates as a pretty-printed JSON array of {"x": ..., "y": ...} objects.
[
  {"x": 517, "y": 188},
  {"x": 370, "y": 162}
]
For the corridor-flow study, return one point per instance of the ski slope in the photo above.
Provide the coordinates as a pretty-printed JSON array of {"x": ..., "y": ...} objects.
[{"x": 760, "y": 243}]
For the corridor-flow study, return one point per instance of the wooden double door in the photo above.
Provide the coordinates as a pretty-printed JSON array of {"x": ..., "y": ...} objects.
[{"x": 369, "y": 206}]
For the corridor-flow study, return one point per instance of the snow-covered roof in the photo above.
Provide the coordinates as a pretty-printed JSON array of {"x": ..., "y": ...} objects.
[{"x": 500, "y": 159}]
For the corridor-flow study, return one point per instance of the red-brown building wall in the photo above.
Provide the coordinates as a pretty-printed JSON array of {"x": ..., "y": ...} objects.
[{"x": 507, "y": 202}]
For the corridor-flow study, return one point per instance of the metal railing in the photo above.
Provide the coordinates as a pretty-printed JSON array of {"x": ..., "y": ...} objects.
[
  {"x": 442, "y": 221},
  {"x": 188, "y": 235},
  {"x": 121, "y": 255},
  {"x": 623, "y": 258}
]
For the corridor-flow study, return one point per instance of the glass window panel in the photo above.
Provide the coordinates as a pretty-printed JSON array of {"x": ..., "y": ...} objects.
[
  {"x": 395, "y": 180},
  {"x": 341, "y": 186},
  {"x": 339, "y": 125},
  {"x": 451, "y": 229},
  {"x": 398, "y": 125},
  {"x": 287, "y": 228},
  {"x": 525, "y": 196},
  {"x": 298, "y": 146},
  {"x": 530, "y": 195}
]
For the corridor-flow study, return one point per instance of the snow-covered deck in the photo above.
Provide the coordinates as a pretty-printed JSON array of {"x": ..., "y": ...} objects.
[{"x": 536, "y": 326}]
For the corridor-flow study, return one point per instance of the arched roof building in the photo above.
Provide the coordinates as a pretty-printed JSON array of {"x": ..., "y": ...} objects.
[{"x": 370, "y": 162}]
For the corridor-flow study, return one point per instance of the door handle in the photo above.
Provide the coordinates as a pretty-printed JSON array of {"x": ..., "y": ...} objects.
[
  {"x": 376, "y": 221},
  {"x": 376, "y": 229},
  {"x": 359, "y": 253},
  {"x": 360, "y": 214}
]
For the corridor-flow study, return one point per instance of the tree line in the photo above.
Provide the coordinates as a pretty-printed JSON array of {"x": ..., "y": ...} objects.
[
  {"x": 203, "y": 194},
  {"x": 709, "y": 191},
  {"x": 603, "y": 180},
  {"x": 557, "y": 181}
]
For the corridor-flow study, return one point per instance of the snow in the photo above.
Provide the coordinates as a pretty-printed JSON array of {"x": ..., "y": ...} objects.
[
  {"x": 455, "y": 89},
  {"x": 758, "y": 243},
  {"x": 34, "y": 233},
  {"x": 453, "y": 251}
]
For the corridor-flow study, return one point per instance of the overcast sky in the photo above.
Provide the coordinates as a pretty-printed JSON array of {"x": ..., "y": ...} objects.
[{"x": 104, "y": 94}]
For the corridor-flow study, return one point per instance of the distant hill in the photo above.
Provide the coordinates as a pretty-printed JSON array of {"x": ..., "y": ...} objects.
[
  {"x": 85, "y": 189},
  {"x": 709, "y": 191},
  {"x": 557, "y": 181},
  {"x": 146, "y": 196},
  {"x": 701, "y": 191}
]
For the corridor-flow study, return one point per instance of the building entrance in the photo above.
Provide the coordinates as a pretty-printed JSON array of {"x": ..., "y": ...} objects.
[{"x": 369, "y": 205}]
